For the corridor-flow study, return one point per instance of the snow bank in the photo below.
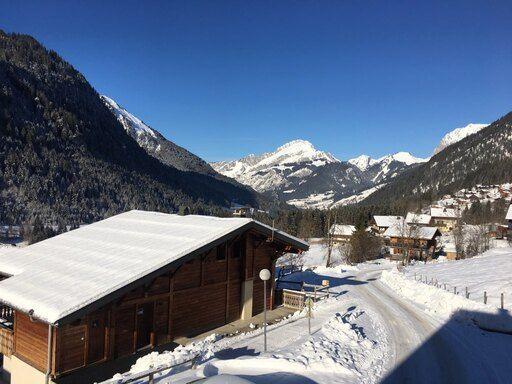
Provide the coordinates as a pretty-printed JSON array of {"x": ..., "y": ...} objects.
[
  {"x": 446, "y": 305},
  {"x": 339, "y": 352},
  {"x": 490, "y": 272}
]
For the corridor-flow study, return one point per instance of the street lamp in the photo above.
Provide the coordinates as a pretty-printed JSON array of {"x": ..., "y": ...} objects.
[{"x": 265, "y": 275}]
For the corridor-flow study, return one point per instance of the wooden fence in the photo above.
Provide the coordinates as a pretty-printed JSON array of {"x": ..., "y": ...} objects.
[
  {"x": 151, "y": 372},
  {"x": 6, "y": 341},
  {"x": 499, "y": 300},
  {"x": 297, "y": 299},
  {"x": 294, "y": 299}
]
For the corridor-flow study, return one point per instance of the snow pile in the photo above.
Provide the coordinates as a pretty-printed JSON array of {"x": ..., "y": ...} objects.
[
  {"x": 338, "y": 352},
  {"x": 203, "y": 349},
  {"x": 341, "y": 346},
  {"x": 445, "y": 304},
  {"x": 490, "y": 272}
]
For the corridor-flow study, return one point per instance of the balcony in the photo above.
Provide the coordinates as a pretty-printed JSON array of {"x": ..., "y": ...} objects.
[{"x": 6, "y": 330}]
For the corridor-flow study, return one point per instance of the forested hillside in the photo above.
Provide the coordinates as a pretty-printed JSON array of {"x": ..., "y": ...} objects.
[
  {"x": 65, "y": 157},
  {"x": 482, "y": 158}
]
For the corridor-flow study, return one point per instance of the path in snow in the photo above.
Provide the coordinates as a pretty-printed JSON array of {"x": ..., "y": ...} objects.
[{"x": 428, "y": 350}]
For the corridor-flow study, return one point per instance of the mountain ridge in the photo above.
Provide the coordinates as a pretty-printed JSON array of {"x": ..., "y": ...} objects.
[
  {"x": 301, "y": 175},
  {"x": 65, "y": 157},
  {"x": 484, "y": 157}
]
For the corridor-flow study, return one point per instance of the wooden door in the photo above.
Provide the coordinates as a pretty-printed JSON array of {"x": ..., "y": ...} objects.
[
  {"x": 96, "y": 349},
  {"x": 145, "y": 314},
  {"x": 72, "y": 347},
  {"x": 124, "y": 331}
]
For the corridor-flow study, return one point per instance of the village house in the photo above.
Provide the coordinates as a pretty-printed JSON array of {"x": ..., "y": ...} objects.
[
  {"x": 241, "y": 210},
  {"x": 129, "y": 283},
  {"x": 449, "y": 251},
  {"x": 419, "y": 219},
  {"x": 444, "y": 218},
  {"x": 508, "y": 218},
  {"x": 379, "y": 223},
  {"x": 341, "y": 233},
  {"x": 416, "y": 241}
]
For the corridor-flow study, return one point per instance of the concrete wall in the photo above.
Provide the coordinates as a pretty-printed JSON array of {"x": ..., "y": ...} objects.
[
  {"x": 16, "y": 371},
  {"x": 247, "y": 296}
]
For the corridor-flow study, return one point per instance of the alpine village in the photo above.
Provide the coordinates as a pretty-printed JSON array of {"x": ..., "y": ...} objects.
[{"x": 126, "y": 258}]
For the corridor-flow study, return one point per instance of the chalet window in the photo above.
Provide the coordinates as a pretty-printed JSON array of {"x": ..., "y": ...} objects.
[
  {"x": 76, "y": 323},
  {"x": 221, "y": 252},
  {"x": 238, "y": 249}
]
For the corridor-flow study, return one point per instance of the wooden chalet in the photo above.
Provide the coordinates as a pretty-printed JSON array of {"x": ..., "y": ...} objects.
[
  {"x": 444, "y": 218},
  {"x": 419, "y": 219},
  {"x": 380, "y": 223},
  {"x": 128, "y": 283},
  {"x": 419, "y": 242},
  {"x": 341, "y": 233}
]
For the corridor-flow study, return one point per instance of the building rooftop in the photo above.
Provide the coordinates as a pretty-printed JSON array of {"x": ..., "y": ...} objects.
[
  {"x": 342, "y": 230},
  {"x": 61, "y": 275},
  {"x": 412, "y": 232},
  {"x": 387, "y": 221}
]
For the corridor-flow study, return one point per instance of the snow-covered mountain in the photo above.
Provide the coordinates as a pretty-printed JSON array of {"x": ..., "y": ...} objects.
[
  {"x": 157, "y": 145},
  {"x": 483, "y": 157},
  {"x": 304, "y": 176},
  {"x": 384, "y": 168},
  {"x": 272, "y": 170},
  {"x": 458, "y": 134}
]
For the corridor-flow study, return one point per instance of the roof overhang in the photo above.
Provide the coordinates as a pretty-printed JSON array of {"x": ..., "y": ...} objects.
[{"x": 294, "y": 246}]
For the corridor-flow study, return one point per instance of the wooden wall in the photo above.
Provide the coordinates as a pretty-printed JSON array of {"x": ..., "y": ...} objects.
[
  {"x": 197, "y": 296},
  {"x": 263, "y": 259},
  {"x": 31, "y": 341}
]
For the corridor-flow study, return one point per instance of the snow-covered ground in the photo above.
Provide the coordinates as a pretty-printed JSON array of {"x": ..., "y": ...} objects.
[
  {"x": 379, "y": 325},
  {"x": 348, "y": 344},
  {"x": 490, "y": 272}
]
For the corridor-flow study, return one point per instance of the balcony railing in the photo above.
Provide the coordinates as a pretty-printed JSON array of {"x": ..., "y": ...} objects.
[{"x": 6, "y": 316}]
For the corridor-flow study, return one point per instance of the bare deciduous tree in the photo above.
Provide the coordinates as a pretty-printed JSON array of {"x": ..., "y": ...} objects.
[
  {"x": 364, "y": 246},
  {"x": 459, "y": 239}
]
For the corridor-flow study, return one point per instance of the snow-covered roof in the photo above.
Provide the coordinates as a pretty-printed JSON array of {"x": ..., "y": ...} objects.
[
  {"x": 509, "y": 213},
  {"x": 417, "y": 218},
  {"x": 412, "y": 231},
  {"x": 387, "y": 221},
  {"x": 61, "y": 275},
  {"x": 445, "y": 213},
  {"x": 342, "y": 230}
]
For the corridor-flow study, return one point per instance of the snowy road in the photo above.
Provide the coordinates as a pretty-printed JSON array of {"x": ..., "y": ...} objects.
[{"x": 426, "y": 350}]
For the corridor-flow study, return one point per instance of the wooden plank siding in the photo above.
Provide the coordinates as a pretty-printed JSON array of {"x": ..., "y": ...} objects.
[
  {"x": 31, "y": 341},
  {"x": 263, "y": 259},
  {"x": 196, "y": 296}
]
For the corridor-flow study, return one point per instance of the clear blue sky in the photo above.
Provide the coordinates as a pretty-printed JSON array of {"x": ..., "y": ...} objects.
[{"x": 225, "y": 79}]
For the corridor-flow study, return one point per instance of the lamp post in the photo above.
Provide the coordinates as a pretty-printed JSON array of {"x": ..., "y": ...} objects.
[{"x": 265, "y": 275}]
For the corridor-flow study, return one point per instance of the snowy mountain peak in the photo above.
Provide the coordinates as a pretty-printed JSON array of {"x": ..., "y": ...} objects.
[
  {"x": 299, "y": 151},
  {"x": 458, "y": 134},
  {"x": 129, "y": 121},
  {"x": 155, "y": 144},
  {"x": 403, "y": 157},
  {"x": 363, "y": 162}
]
